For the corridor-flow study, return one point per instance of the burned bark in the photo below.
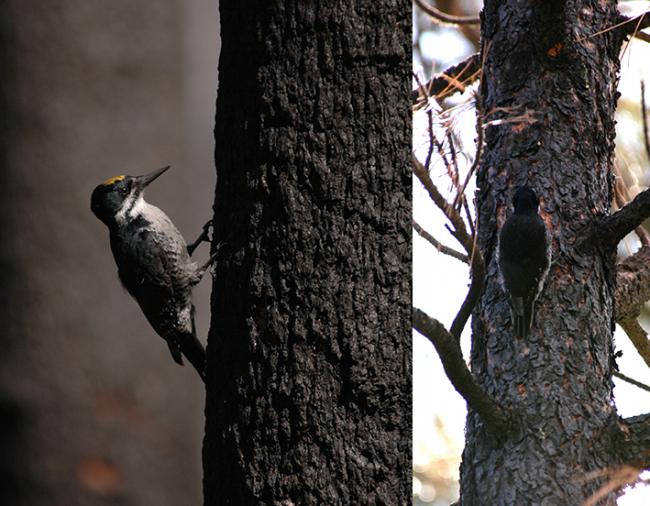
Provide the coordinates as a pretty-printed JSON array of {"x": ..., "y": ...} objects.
[
  {"x": 309, "y": 350},
  {"x": 550, "y": 62}
]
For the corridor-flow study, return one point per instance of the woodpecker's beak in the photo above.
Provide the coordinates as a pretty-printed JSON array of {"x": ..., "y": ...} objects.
[{"x": 144, "y": 181}]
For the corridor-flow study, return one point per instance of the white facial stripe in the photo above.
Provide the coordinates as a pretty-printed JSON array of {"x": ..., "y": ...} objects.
[
  {"x": 131, "y": 207},
  {"x": 137, "y": 207}
]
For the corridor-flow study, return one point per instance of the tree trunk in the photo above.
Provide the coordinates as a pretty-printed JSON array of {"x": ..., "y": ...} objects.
[
  {"x": 309, "y": 356},
  {"x": 555, "y": 82}
]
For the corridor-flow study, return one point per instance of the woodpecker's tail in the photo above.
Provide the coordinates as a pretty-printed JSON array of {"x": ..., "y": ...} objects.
[
  {"x": 518, "y": 313},
  {"x": 529, "y": 309},
  {"x": 194, "y": 352},
  {"x": 522, "y": 312},
  {"x": 175, "y": 350},
  {"x": 187, "y": 344}
]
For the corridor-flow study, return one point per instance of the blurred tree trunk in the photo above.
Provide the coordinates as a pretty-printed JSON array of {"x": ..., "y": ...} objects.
[
  {"x": 555, "y": 82},
  {"x": 309, "y": 356},
  {"x": 92, "y": 409}
]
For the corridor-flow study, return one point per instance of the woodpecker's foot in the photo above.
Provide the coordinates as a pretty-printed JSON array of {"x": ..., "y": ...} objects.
[
  {"x": 211, "y": 260},
  {"x": 204, "y": 237}
]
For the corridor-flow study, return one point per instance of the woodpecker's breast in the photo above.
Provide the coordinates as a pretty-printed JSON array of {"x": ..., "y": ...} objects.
[{"x": 151, "y": 254}]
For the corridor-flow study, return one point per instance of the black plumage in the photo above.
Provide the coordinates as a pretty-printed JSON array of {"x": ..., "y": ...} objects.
[{"x": 524, "y": 258}]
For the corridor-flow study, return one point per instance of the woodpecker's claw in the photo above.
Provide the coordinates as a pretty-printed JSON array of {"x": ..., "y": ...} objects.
[
  {"x": 206, "y": 230},
  {"x": 210, "y": 262},
  {"x": 204, "y": 237}
]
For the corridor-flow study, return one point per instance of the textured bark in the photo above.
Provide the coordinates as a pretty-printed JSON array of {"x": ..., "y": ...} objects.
[
  {"x": 632, "y": 291},
  {"x": 632, "y": 284},
  {"x": 542, "y": 62},
  {"x": 309, "y": 358}
]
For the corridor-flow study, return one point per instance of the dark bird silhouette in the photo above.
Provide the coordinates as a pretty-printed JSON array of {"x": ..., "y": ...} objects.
[{"x": 524, "y": 258}]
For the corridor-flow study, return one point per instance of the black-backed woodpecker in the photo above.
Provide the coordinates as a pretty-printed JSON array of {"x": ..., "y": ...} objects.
[
  {"x": 524, "y": 258},
  {"x": 153, "y": 262}
]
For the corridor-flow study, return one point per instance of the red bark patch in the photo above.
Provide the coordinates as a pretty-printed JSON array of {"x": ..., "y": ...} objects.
[{"x": 555, "y": 50}]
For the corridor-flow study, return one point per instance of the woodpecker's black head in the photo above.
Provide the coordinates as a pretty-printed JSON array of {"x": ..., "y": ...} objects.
[
  {"x": 118, "y": 194},
  {"x": 525, "y": 201}
]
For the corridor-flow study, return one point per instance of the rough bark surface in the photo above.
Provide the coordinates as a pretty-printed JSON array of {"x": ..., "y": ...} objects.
[
  {"x": 309, "y": 357},
  {"x": 632, "y": 284},
  {"x": 543, "y": 62}
]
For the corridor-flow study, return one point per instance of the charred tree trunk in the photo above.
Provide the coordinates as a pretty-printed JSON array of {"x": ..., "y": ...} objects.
[
  {"x": 552, "y": 76},
  {"x": 309, "y": 368}
]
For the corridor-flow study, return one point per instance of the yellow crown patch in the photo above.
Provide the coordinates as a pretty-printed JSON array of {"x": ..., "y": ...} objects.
[{"x": 112, "y": 180}]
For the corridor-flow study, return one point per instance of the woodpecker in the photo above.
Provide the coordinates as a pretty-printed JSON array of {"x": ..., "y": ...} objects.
[
  {"x": 153, "y": 262},
  {"x": 524, "y": 258}
]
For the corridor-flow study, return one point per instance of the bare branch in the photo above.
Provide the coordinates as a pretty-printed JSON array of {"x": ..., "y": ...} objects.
[
  {"x": 635, "y": 447},
  {"x": 631, "y": 381},
  {"x": 460, "y": 195},
  {"x": 438, "y": 245},
  {"x": 460, "y": 376},
  {"x": 644, "y": 117},
  {"x": 477, "y": 156},
  {"x": 642, "y": 36},
  {"x": 475, "y": 290},
  {"x": 609, "y": 231},
  {"x": 440, "y": 149},
  {"x": 447, "y": 18},
  {"x": 617, "y": 478},
  {"x": 630, "y": 437},
  {"x": 632, "y": 291},
  {"x": 459, "y": 231},
  {"x": 629, "y": 26},
  {"x": 638, "y": 336},
  {"x": 460, "y": 199},
  {"x": 452, "y": 80},
  {"x": 452, "y": 169},
  {"x": 632, "y": 284},
  {"x": 622, "y": 198},
  {"x": 626, "y": 25}
]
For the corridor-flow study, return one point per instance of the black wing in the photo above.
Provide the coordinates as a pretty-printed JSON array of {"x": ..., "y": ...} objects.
[{"x": 147, "y": 259}]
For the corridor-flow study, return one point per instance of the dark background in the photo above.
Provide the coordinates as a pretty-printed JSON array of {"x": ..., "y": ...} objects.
[{"x": 92, "y": 408}]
